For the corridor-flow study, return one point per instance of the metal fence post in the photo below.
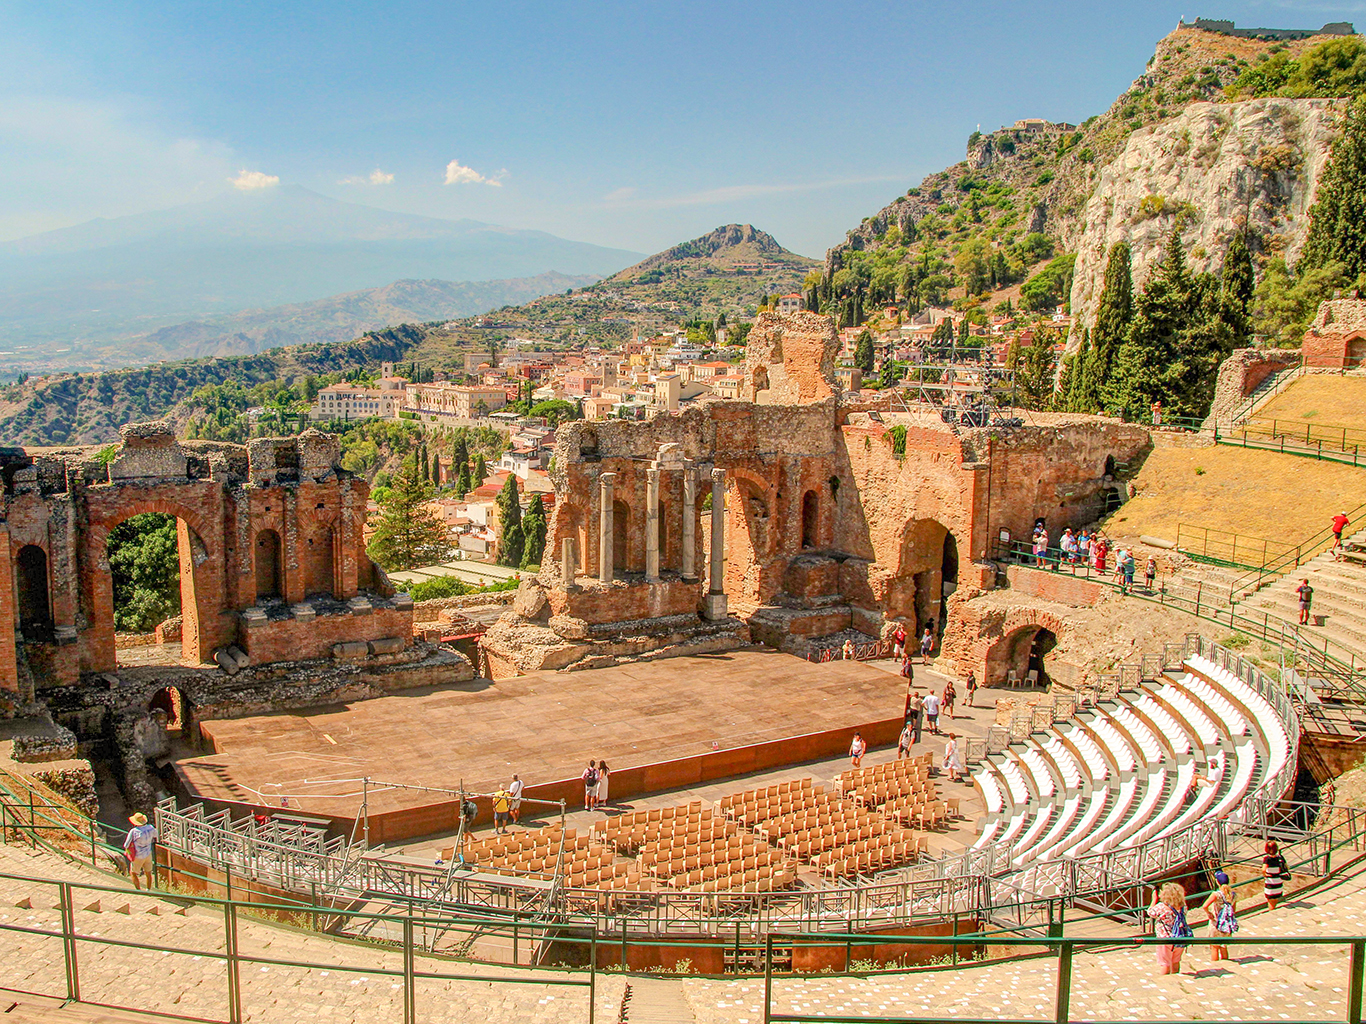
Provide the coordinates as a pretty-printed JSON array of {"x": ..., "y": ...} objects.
[
  {"x": 230, "y": 955},
  {"x": 1064, "y": 998},
  {"x": 409, "y": 981},
  {"x": 768, "y": 980},
  {"x": 1354, "y": 986},
  {"x": 592, "y": 972},
  {"x": 68, "y": 910}
]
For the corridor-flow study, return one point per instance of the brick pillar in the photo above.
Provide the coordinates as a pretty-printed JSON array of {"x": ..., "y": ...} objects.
[
  {"x": 715, "y": 604},
  {"x": 688, "y": 568},
  {"x": 652, "y": 523},
  {"x": 606, "y": 482},
  {"x": 9, "y": 617}
]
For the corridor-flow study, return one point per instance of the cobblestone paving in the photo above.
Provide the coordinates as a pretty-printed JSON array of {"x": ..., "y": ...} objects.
[
  {"x": 351, "y": 987},
  {"x": 1267, "y": 983}
]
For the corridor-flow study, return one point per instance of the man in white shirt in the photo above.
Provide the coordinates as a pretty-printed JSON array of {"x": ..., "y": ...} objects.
[
  {"x": 932, "y": 711},
  {"x": 515, "y": 791}
]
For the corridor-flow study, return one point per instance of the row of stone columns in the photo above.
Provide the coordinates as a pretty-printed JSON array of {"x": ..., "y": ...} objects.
[{"x": 716, "y": 598}]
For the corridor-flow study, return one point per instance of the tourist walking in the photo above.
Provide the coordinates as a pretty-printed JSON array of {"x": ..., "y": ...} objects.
[
  {"x": 1099, "y": 549},
  {"x": 1067, "y": 543},
  {"x": 926, "y": 645},
  {"x": 946, "y": 701},
  {"x": 1127, "y": 567},
  {"x": 917, "y": 706},
  {"x": 502, "y": 810},
  {"x": 603, "y": 773},
  {"x": 1339, "y": 524},
  {"x": 848, "y": 650},
  {"x": 1306, "y": 595},
  {"x": 932, "y": 712},
  {"x": 953, "y": 761},
  {"x": 907, "y": 669},
  {"x": 899, "y": 641},
  {"x": 590, "y": 786},
  {"x": 971, "y": 687},
  {"x": 137, "y": 847},
  {"x": 1222, "y": 910},
  {"x": 1274, "y": 873},
  {"x": 903, "y": 743},
  {"x": 1084, "y": 547},
  {"x": 1169, "y": 914},
  {"x": 1150, "y": 573},
  {"x": 857, "y": 749},
  {"x": 1040, "y": 547},
  {"x": 1156, "y": 410},
  {"x": 515, "y": 791}
]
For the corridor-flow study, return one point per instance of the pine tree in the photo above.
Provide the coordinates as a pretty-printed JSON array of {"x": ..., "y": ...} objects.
[
  {"x": 1337, "y": 228},
  {"x": 863, "y": 353},
  {"x": 533, "y": 532},
  {"x": 510, "y": 523},
  {"x": 1034, "y": 371},
  {"x": 1080, "y": 358},
  {"x": 1113, "y": 316},
  {"x": 408, "y": 533}
]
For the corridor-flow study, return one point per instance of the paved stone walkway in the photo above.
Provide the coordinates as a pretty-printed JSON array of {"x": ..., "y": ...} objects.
[
  {"x": 1268, "y": 983},
  {"x": 348, "y": 988}
]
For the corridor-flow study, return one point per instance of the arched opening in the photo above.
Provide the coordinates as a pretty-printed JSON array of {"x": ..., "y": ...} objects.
[
  {"x": 171, "y": 703},
  {"x": 1021, "y": 658},
  {"x": 267, "y": 564},
  {"x": 1356, "y": 352},
  {"x": 35, "y": 607},
  {"x": 811, "y": 511},
  {"x": 927, "y": 569},
  {"x": 319, "y": 561},
  {"x": 621, "y": 535},
  {"x": 145, "y": 571}
]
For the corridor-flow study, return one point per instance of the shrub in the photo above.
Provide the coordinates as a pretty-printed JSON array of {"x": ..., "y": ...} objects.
[{"x": 442, "y": 586}]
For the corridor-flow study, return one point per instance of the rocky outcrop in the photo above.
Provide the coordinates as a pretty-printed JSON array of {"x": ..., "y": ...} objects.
[{"x": 1214, "y": 170}]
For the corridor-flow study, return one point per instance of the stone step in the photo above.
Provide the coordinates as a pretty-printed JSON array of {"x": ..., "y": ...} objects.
[{"x": 657, "y": 1001}]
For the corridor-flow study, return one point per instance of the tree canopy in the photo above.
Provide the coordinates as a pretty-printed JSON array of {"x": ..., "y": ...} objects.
[{"x": 408, "y": 533}]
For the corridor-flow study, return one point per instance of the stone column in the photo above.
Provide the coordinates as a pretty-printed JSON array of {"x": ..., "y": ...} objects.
[
  {"x": 606, "y": 482},
  {"x": 689, "y": 555},
  {"x": 715, "y": 607},
  {"x": 652, "y": 523},
  {"x": 569, "y": 562}
]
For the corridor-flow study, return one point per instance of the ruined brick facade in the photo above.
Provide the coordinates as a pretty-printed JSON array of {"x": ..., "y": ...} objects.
[
  {"x": 827, "y": 525},
  {"x": 270, "y": 537}
]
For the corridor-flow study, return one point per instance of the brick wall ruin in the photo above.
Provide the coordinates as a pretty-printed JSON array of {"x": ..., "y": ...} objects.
[{"x": 827, "y": 524}]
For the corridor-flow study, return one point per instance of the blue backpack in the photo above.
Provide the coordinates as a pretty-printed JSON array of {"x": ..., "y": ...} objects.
[
  {"x": 1180, "y": 929},
  {"x": 1224, "y": 918}
]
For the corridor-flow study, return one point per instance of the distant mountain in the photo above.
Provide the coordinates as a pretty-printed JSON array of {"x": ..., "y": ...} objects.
[
  {"x": 738, "y": 251},
  {"x": 73, "y": 297},
  {"x": 339, "y": 317}
]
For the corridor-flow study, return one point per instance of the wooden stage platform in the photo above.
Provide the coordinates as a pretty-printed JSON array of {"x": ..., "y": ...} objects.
[{"x": 659, "y": 725}]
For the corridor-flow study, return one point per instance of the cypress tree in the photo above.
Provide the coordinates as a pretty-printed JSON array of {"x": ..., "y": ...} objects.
[
  {"x": 533, "y": 532},
  {"x": 1337, "y": 229},
  {"x": 481, "y": 469},
  {"x": 510, "y": 522},
  {"x": 1073, "y": 395},
  {"x": 1113, "y": 315},
  {"x": 1235, "y": 290},
  {"x": 863, "y": 354}
]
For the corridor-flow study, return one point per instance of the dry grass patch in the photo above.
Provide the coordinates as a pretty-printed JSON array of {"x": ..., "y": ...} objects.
[
  {"x": 1320, "y": 401},
  {"x": 1239, "y": 490}
]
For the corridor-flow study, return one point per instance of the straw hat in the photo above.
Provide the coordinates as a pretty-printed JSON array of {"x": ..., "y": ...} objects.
[{"x": 138, "y": 819}]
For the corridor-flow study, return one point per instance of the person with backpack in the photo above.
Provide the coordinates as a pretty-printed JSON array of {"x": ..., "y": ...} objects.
[
  {"x": 1274, "y": 873},
  {"x": 1169, "y": 916},
  {"x": 1222, "y": 910},
  {"x": 590, "y": 786}
]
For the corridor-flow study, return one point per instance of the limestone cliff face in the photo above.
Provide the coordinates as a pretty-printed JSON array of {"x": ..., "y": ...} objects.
[{"x": 1212, "y": 169}]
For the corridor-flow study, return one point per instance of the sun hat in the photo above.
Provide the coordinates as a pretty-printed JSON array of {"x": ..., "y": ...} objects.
[{"x": 138, "y": 819}]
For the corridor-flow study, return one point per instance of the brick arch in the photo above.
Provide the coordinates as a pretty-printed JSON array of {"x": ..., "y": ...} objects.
[
  {"x": 751, "y": 533},
  {"x": 320, "y": 545},
  {"x": 995, "y": 637},
  {"x": 203, "y": 593}
]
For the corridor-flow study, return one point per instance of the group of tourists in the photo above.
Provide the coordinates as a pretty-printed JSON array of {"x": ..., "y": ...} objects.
[
  {"x": 1169, "y": 910},
  {"x": 595, "y": 785},
  {"x": 1092, "y": 548},
  {"x": 507, "y": 806},
  {"x": 901, "y": 650}
]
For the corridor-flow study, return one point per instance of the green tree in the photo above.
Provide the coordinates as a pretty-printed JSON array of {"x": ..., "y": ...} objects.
[
  {"x": 481, "y": 469},
  {"x": 1034, "y": 371},
  {"x": 144, "y": 564},
  {"x": 863, "y": 353},
  {"x": 1073, "y": 400},
  {"x": 1113, "y": 315},
  {"x": 510, "y": 523},
  {"x": 1285, "y": 303},
  {"x": 891, "y": 373},
  {"x": 555, "y": 411},
  {"x": 408, "y": 533},
  {"x": 533, "y": 532},
  {"x": 463, "y": 482},
  {"x": 1236, "y": 289},
  {"x": 460, "y": 463},
  {"x": 1337, "y": 228}
]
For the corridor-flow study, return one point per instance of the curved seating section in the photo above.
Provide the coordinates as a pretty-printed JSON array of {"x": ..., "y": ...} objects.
[{"x": 1133, "y": 768}]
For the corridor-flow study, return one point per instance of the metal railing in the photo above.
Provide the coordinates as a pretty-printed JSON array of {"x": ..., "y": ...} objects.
[
  {"x": 1309, "y": 548},
  {"x": 1221, "y": 547},
  {"x": 873, "y": 650}
]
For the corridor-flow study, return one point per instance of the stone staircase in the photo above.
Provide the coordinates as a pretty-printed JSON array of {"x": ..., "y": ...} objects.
[
  {"x": 1339, "y": 596},
  {"x": 1118, "y": 774}
]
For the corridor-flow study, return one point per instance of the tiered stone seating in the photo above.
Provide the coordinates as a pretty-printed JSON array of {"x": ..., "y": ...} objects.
[{"x": 1125, "y": 771}]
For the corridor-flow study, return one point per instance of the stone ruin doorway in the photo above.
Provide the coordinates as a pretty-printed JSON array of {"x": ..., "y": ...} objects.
[
  {"x": 152, "y": 559},
  {"x": 927, "y": 573},
  {"x": 268, "y": 567},
  {"x": 1021, "y": 658},
  {"x": 35, "y": 602},
  {"x": 621, "y": 536},
  {"x": 176, "y": 711},
  {"x": 811, "y": 520}
]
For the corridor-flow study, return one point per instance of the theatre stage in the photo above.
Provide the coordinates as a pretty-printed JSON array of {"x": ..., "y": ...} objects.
[{"x": 659, "y": 725}]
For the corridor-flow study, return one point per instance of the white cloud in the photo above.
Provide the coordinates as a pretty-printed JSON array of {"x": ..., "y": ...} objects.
[
  {"x": 620, "y": 194},
  {"x": 249, "y": 180},
  {"x": 458, "y": 174},
  {"x": 375, "y": 177}
]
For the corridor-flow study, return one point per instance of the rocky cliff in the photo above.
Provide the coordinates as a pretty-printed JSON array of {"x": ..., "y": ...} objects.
[{"x": 1214, "y": 170}]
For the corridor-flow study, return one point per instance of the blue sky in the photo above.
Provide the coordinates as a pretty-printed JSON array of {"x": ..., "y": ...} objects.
[{"x": 632, "y": 125}]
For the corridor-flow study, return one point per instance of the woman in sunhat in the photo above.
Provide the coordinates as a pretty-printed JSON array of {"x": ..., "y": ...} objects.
[{"x": 137, "y": 847}]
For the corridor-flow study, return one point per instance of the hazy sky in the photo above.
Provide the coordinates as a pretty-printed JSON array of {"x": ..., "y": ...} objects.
[{"x": 632, "y": 125}]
